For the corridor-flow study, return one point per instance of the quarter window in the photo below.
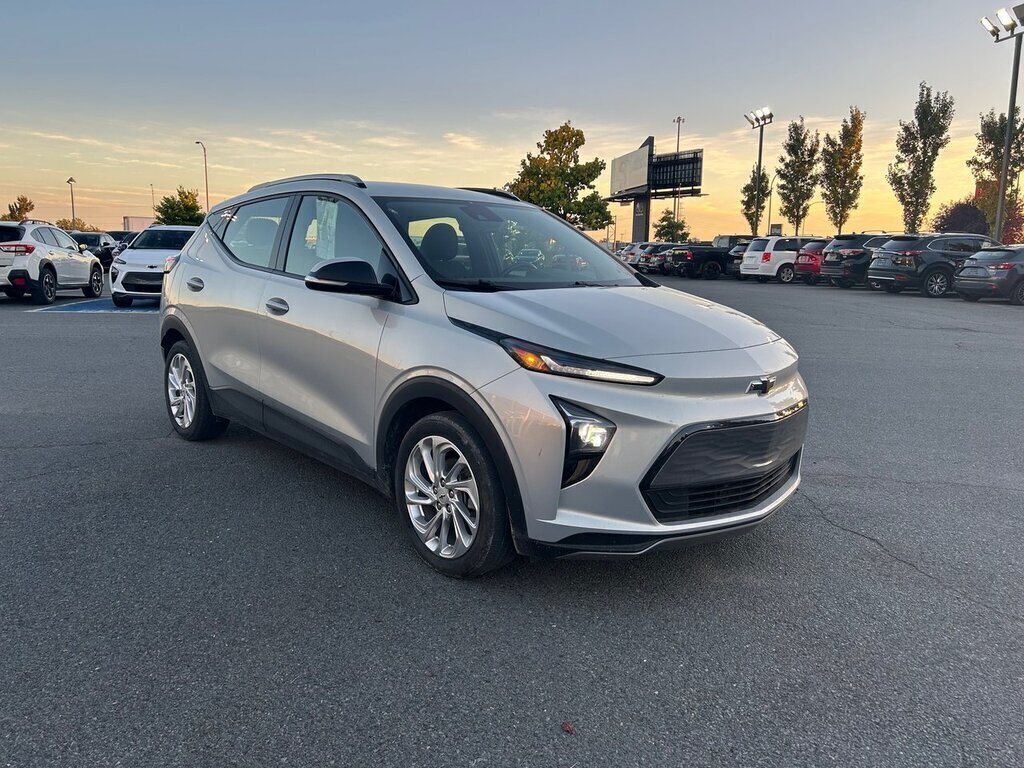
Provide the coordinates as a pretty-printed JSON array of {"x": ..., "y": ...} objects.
[
  {"x": 252, "y": 231},
  {"x": 327, "y": 229},
  {"x": 44, "y": 235}
]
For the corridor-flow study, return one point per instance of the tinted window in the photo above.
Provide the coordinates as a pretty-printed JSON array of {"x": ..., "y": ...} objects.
[
  {"x": 11, "y": 234},
  {"x": 901, "y": 243},
  {"x": 252, "y": 230},
  {"x": 876, "y": 242},
  {"x": 785, "y": 244},
  {"x": 44, "y": 235},
  {"x": 64, "y": 240},
  {"x": 1000, "y": 254},
  {"x": 88, "y": 238},
  {"x": 815, "y": 245},
  {"x": 327, "y": 229},
  {"x": 757, "y": 246},
  {"x": 162, "y": 239}
]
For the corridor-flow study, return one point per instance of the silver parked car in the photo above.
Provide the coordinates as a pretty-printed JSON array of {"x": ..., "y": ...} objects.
[{"x": 506, "y": 404}]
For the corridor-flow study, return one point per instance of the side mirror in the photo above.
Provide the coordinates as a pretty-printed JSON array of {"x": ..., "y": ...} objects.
[
  {"x": 347, "y": 276},
  {"x": 83, "y": 247}
]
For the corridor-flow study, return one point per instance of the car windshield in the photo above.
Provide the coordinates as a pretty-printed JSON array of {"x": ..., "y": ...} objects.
[
  {"x": 492, "y": 246},
  {"x": 87, "y": 239},
  {"x": 162, "y": 239}
]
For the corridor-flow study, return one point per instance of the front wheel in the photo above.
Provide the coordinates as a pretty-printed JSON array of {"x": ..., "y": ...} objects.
[
  {"x": 187, "y": 396},
  {"x": 810, "y": 280},
  {"x": 936, "y": 284},
  {"x": 95, "y": 288},
  {"x": 450, "y": 498},
  {"x": 786, "y": 274}
]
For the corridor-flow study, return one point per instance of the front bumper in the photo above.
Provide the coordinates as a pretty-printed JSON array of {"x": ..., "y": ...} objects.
[
  {"x": 644, "y": 493},
  {"x": 139, "y": 283}
]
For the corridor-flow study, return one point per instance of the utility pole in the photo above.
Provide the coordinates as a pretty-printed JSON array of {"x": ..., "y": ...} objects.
[
  {"x": 71, "y": 183},
  {"x": 679, "y": 124},
  {"x": 206, "y": 175},
  {"x": 152, "y": 194}
]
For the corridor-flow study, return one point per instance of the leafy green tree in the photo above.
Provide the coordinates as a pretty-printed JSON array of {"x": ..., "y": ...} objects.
[
  {"x": 1013, "y": 212},
  {"x": 180, "y": 208},
  {"x": 75, "y": 225},
  {"x": 798, "y": 173},
  {"x": 669, "y": 229},
  {"x": 918, "y": 143},
  {"x": 961, "y": 216},
  {"x": 987, "y": 163},
  {"x": 842, "y": 158},
  {"x": 749, "y": 199},
  {"x": 19, "y": 210},
  {"x": 557, "y": 181}
]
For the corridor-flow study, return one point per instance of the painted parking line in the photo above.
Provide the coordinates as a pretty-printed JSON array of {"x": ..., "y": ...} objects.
[{"x": 102, "y": 306}]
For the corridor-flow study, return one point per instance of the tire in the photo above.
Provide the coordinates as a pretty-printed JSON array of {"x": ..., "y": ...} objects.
[
  {"x": 13, "y": 293},
  {"x": 95, "y": 288},
  {"x": 843, "y": 283},
  {"x": 120, "y": 300},
  {"x": 873, "y": 285},
  {"x": 786, "y": 274},
  {"x": 936, "y": 284},
  {"x": 969, "y": 297},
  {"x": 810, "y": 280},
  {"x": 892, "y": 288},
  {"x": 1017, "y": 294},
  {"x": 203, "y": 424},
  {"x": 45, "y": 290},
  {"x": 435, "y": 534},
  {"x": 762, "y": 279},
  {"x": 711, "y": 270}
]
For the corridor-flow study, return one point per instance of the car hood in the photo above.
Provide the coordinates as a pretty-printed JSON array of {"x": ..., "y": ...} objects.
[
  {"x": 610, "y": 323},
  {"x": 147, "y": 256}
]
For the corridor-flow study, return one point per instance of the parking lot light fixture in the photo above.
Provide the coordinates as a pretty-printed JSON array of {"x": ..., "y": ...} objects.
[
  {"x": 1007, "y": 20},
  {"x": 206, "y": 175},
  {"x": 991, "y": 28},
  {"x": 71, "y": 183},
  {"x": 758, "y": 119},
  {"x": 1010, "y": 21}
]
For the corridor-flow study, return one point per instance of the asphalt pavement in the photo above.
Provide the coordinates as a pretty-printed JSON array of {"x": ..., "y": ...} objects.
[{"x": 235, "y": 603}]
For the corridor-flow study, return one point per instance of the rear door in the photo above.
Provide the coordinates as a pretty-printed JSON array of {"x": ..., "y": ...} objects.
[
  {"x": 60, "y": 255},
  {"x": 319, "y": 349}
]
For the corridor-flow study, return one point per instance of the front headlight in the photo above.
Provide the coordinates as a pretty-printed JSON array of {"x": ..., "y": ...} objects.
[
  {"x": 543, "y": 360},
  {"x": 586, "y": 439}
]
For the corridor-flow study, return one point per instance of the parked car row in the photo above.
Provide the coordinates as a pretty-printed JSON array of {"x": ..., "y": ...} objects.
[
  {"x": 693, "y": 259},
  {"x": 934, "y": 264}
]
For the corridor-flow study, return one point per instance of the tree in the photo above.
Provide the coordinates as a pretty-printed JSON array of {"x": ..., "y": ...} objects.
[
  {"x": 841, "y": 161},
  {"x": 181, "y": 208},
  {"x": 669, "y": 229},
  {"x": 557, "y": 181},
  {"x": 961, "y": 216},
  {"x": 1013, "y": 212},
  {"x": 798, "y": 174},
  {"x": 987, "y": 163},
  {"x": 749, "y": 198},
  {"x": 19, "y": 210},
  {"x": 75, "y": 225},
  {"x": 912, "y": 174}
]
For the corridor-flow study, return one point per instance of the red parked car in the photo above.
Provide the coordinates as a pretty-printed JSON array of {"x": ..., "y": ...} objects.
[{"x": 808, "y": 261}]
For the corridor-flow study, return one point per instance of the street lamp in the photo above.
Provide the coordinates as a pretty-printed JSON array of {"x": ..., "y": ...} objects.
[
  {"x": 152, "y": 197},
  {"x": 71, "y": 183},
  {"x": 1011, "y": 23},
  {"x": 679, "y": 124},
  {"x": 206, "y": 175},
  {"x": 758, "y": 119},
  {"x": 771, "y": 195}
]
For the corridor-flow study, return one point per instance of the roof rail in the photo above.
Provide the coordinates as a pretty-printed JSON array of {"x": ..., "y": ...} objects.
[
  {"x": 491, "y": 191},
  {"x": 347, "y": 178},
  {"x": 34, "y": 221}
]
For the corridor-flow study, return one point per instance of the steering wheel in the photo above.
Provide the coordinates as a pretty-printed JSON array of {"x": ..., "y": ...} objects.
[{"x": 524, "y": 265}]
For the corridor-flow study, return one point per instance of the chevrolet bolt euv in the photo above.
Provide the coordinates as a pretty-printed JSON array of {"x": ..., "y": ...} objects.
[{"x": 506, "y": 405}]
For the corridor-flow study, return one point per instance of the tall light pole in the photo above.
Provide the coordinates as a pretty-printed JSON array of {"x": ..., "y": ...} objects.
[
  {"x": 771, "y": 195},
  {"x": 152, "y": 195},
  {"x": 758, "y": 119},
  {"x": 206, "y": 175},
  {"x": 1011, "y": 24},
  {"x": 679, "y": 124},
  {"x": 71, "y": 183}
]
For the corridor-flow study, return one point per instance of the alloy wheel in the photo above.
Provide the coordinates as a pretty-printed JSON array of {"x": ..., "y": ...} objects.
[
  {"x": 181, "y": 391},
  {"x": 97, "y": 281},
  {"x": 441, "y": 497},
  {"x": 49, "y": 285},
  {"x": 786, "y": 274},
  {"x": 937, "y": 284}
]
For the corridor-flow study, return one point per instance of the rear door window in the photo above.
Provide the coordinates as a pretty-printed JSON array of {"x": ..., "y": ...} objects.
[{"x": 45, "y": 235}]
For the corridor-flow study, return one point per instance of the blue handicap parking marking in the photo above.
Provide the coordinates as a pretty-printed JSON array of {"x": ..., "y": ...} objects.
[{"x": 104, "y": 306}]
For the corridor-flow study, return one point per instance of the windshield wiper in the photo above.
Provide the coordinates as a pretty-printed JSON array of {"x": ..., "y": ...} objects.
[{"x": 483, "y": 286}]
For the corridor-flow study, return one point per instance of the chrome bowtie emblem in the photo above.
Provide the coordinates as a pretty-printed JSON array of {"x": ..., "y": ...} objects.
[{"x": 762, "y": 386}]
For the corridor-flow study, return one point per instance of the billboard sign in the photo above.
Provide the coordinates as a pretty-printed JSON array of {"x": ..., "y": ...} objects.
[{"x": 630, "y": 171}]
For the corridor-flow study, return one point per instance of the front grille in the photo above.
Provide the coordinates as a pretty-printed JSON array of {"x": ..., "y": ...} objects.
[
  {"x": 725, "y": 467},
  {"x": 143, "y": 282},
  {"x": 672, "y": 505}
]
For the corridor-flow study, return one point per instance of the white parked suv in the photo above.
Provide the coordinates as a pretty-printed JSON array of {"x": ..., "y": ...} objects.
[
  {"x": 138, "y": 270},
  {"x": 768, "y": 257},
  {"x": 38, "y": 259}
]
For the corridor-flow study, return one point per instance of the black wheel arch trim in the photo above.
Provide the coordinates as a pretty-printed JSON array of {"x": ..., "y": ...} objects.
[
  {"x": 434, "y": 388},
  {"x": 172, "y": 323}
]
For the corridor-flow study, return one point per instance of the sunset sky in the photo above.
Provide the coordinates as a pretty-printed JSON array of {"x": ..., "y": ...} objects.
[{"x": 455, "y": 93}]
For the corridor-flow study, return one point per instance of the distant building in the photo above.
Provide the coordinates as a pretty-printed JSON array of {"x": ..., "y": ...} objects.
[{"x": 137, "y": 223}]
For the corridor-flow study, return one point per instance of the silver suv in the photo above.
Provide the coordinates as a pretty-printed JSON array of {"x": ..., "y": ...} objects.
[{"x": 506, "y": 404}]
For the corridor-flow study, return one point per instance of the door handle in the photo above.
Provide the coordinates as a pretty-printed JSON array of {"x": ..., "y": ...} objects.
[
  {"x": 195, "y": 284},
  {"x": 277, "y": 306}
]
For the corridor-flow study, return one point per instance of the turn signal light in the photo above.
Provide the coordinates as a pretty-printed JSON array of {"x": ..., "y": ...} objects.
[
  {"x": 1006, "y": 265},
  {"x": 19, "y": 249}
]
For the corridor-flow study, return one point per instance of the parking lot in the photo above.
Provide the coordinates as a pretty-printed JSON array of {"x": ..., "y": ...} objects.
[{"x": 236, "y": 603}]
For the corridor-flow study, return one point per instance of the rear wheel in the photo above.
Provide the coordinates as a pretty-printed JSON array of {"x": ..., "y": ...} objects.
[
  {"x": 1017, "y": 295},
  {"x": 873, "y": 285},
  {"x": 187, "y": 397},
  {"x": 712, "y": 270},
  {"x": 95, "y": 288},
  {"x": 45, "y": 291},
  {"x": 450, "y": 498},
  {"x": 936, "y": 284},
  {"x": 786, "y": 274}
]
